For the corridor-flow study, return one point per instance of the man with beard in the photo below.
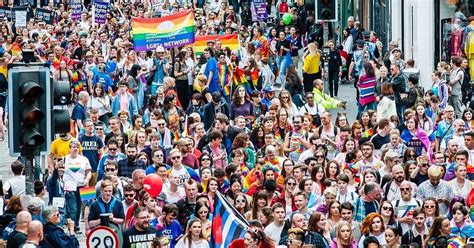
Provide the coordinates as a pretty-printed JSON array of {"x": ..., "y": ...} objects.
[
  {"x": 154, "y": 144},
  {"x": 127, "y": 166},
  {"x": 296, "y": 141},
  {"x": 392, "y": 190},
  {"x": 369, "y": 161},
  {"x": 141, "y": 234},
  {"x": 403, "y": 208},
  {"x": 418, "y": 233},
  {"x": 298, "y": 220},
  {"x": 187, "y": 158},
  {"x": 167, "y": 225}
]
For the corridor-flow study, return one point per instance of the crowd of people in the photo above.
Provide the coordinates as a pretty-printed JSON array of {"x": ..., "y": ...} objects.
[{"x": 398, "y": 174}]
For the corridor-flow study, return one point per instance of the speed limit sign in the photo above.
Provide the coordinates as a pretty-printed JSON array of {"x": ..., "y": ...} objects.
[{"x": 102, "y": 237}]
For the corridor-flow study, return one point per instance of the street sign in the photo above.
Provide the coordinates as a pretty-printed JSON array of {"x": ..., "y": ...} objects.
[{"x": 102, "y": 237}]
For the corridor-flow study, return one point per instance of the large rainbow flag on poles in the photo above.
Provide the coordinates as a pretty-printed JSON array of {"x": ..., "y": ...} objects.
[
  {"x": 169, "y": 31},
  {"x": 227, "y": 40}
]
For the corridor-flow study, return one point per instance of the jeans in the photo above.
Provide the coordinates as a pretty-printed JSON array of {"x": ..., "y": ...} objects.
[
  {"x": 370, "y": 106},
  {"x": 283, "y": 63},
  {"x": 455, "y": 101},
  {"x": 73, "y": 206}
]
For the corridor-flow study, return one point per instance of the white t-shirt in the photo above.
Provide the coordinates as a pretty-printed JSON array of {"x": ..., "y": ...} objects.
[
  {"x": 16, "y": 183},
  {"x": 405, "y": 209},
  {"x": 174, "y": 197},
  {"x": 75, "y": 169},
  {"x": 274, "y": 232},
  {"x": 182, "y": 173}
]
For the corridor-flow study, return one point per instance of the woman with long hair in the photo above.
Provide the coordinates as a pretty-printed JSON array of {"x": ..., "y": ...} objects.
[
  {"x": 334, "y": 214},
  {"x": 259, "y": 201},
  {"x": 441, "y": 227},
  {"x": 366, "y": 87},
  {"x": 311, "y": 67},
  {"x": 287, "y": 103},
  {"x": 283, "y": 46},
  {"x": 306, "y": 185},
  {"x": 317, "y": 175},
  {"x": 423, "y": 120},
  {"x": 364, "y": 120},
  {"x": 374, "y": 226},
  {"x": 193, "y": 238},
  {"x": 213, "y": 186},
  {"x": 256, "y": 238},
  {"x": 100, "y": 101},
  {"x": 386, "y": 106},
  {"x": 286, "y": 198},
  {"x": 294, "y": 85},
  {"x": 172, "y": 113},
  {"x": 241, "y": 104},
  {"x": 320, "y": 158},
  {"x": 257, "y": 137},
  {"x": 205, "y": 172},
  {"x": 332, "y": 170},
  {"x": 203, "y": 213},
  {"x": 348, "y": 146},
  {"x": 443, "y": 87},
  {"x": 242, "y": 203},
  {"x": 415, "y": 137},
  {"x": 388, "y": 214},
  {"x": 460, "y": 185},
  {"x": 318, "y": 223},
  {"x": 181, "y": 73},
  {"x": 431, "y": 207},
  {"x": 283, "y": 124},
  {"x": 287, "y": 170},
  {"x": 467, "y": 117},
  {"x": 344, "y": 236}
]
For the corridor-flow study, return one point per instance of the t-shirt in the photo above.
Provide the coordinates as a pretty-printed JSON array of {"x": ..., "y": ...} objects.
[
  {"x": 174, "y": 197},
  {"x": 274, "y": 232},
  {"x": 182, "y": 173},
  {"x": 184, "y": 243},
  {"x": 135, "y": 238},
  {"x": 16, "y": 239},
  {"x": 405, "y": 209},
  {"x": 75, "y": 169},
  {"x": 60, "y": 147},
  {"x": 79, "y": 113},
  {"x": 16, "y": 184},
  {"x": 171, "y": 231},
  {"x": 370, "y": 208},
  {"x": 90, "y": 149},
  {"x": 212, "y": 66},
  {"x": 379, "y": 140}
]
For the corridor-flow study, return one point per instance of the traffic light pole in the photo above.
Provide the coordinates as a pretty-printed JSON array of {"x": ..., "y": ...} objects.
[{"x": 29, "y": 175}]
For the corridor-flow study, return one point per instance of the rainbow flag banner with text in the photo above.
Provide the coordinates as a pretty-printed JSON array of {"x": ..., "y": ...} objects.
[
  {"x": 169, "y": 31},
  {"x": 227, "y": 40}
]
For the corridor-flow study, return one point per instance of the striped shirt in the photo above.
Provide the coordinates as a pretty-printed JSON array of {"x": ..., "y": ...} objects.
[{"x": 366, "y": 87}]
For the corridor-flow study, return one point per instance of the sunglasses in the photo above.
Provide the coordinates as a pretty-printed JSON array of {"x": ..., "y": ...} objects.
[
  {"x": 175, "y": 157},
  {"x": 112, "y": 149},
  {"x": 291, "y": 184},
  {"x": 129, "y": 195},
  {"x": 161, "y": 124},
  {"x": 387, "y": 208},
  {"x": 404, "y": 189},
  {"x": 430, "y": 206},
  {"x": 206, "y": 159},
  {"x": 159, "y": 155},
  {"x": 319, "y": 157},
  {"x": 109, "y": 169}
]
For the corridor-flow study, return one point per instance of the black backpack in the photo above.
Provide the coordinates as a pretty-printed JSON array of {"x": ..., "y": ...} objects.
[{"x": 466, "y": 85}]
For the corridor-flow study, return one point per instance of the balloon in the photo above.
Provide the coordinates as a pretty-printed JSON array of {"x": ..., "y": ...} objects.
[
  {"x": 287, "y": 18},
  {"x": 153, "y": 185}
]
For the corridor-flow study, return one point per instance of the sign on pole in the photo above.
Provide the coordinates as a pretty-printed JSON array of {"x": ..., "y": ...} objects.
[{"x": 102, "y": 237}]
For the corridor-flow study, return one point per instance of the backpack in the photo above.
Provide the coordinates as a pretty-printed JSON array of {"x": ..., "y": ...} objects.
[
  {"x": 9, "y": 229},
  {"x": 466, "y": 86}
]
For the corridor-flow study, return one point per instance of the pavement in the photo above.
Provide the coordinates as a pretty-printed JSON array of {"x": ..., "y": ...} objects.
[{"x": 5, "y": 173}]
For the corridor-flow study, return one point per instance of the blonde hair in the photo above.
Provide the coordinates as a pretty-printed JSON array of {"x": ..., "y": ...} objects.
[{"x": 312, "y": 48}]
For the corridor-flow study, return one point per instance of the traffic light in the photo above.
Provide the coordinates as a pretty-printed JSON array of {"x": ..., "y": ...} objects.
[
  {"x": 29, "y": 108},
  {"x": 326, "y": 10},
  {"x": 61, "y": 94}
]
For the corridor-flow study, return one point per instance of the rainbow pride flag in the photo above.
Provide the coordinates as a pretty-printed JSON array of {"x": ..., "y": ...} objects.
[
  {"x": 169, "y": 31},
  {"x": 227, "y": 40},
  {"x": 87, "y": 193}
]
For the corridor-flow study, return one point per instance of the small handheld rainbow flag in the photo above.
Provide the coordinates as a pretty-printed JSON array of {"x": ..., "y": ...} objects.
[
  {"x": 227, "y": 40},
  {"x": 169, "y": 31},
  {"x": 87, "y": 193},
  {"x": 368, "y": 133}
]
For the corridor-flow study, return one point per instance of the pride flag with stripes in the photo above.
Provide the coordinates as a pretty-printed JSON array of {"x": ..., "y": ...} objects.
[
  {"x": 227, "y": 40},
  {"x": 227, "y": 223},
  {"x": 87, "y": 193},
  {"x": 169, "y": 31}
]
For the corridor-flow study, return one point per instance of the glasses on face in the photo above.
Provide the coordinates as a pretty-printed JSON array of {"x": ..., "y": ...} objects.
[
  {"x": 294, "y": 241},
  {"x": 175, "y": 157},
  {"x": 99, "y": 129},
  {"x": 404, "y": 189},
  {"x": 206, "y": 159},
  {"x": 387, "y": 208},
  {"x": 159, "y": 155},
  {"x": 161, "y": 124},
  {"x": 320, "y": 156},
  {"x": 112, "y": 149},
  {"x": 189, "y": 145},
  {"x": 430, "y": 206},
  {"x": 240, "y": 201},
  {"x": 291, "y": 184},
  {"x": 109, "y": 169},
  {"x": 424, "y": 164},
  {"x": 129, "y": 195}
]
